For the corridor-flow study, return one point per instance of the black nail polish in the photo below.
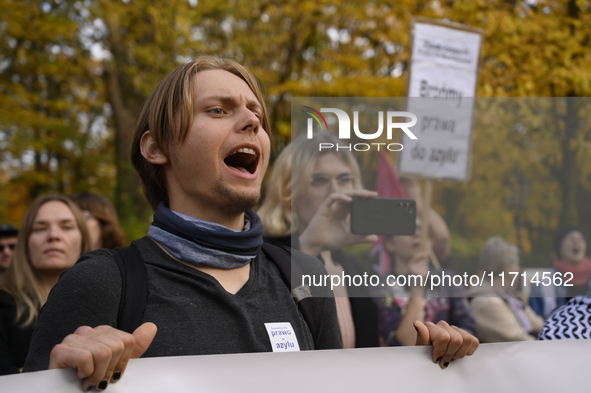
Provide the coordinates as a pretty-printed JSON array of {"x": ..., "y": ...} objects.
[
  {"x": 116, "y": 375},
  {"x": 103, "y": 384},
  {"x": 445, "y": 364},
  {"x": 88, "y": 389},
  {"x": 438, "y": 359}
]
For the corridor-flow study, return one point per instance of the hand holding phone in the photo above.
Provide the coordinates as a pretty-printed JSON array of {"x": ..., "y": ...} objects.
[
  {"x": 383, "y": 216},
  {"x": 329, "y": 229}
]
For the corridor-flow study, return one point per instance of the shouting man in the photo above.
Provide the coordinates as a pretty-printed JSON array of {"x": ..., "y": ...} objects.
[{"x": 201, "y": 148}]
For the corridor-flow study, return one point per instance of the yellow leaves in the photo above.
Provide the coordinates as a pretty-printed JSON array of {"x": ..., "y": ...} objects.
[
  {"x": 287, "y": 45},
  {"x": 534, "y": 48},
  {"x": 282, "y": 130},
  {"x": 305, "y": 7}
]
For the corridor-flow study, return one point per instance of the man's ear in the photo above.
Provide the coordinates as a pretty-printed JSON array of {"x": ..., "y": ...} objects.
[{"x": 151, "y": 151}]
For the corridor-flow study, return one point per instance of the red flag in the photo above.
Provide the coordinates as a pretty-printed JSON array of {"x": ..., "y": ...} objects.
[
  {"x": 387, "y": 182},
  {"x": 387, "y": 185}
]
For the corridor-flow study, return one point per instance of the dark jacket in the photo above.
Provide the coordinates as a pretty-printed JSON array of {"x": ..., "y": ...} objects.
[
  {"x": 14, "y": 340},
  {"x": 363, "y": 309}
]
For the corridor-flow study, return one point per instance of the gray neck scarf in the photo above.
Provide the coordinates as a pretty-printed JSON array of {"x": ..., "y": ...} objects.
[{"x": 202, "y": 242}]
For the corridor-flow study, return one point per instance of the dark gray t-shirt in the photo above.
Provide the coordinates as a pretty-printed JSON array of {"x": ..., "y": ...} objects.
[{"x": 194, "y": 314}]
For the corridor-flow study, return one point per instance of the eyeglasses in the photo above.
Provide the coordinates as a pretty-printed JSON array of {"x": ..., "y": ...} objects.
[
  {"x": 11, "y": 246},
  {"x": 322, "y": 182}
]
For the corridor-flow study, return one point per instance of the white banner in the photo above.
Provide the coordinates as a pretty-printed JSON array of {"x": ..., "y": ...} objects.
[
  {"x": 443, "y": 76},
  {"x": 542, "y": 366}
]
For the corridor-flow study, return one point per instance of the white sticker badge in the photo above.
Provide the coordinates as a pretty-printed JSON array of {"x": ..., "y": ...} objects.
[{"x": 282, "y": 336}]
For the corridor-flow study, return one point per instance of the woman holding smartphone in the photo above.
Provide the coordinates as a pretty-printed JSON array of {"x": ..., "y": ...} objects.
[{"x": 307, "y": 205}]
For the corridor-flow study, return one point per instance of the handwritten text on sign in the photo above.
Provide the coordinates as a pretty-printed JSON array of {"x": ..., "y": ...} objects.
[{"x": 442, "y": 83}]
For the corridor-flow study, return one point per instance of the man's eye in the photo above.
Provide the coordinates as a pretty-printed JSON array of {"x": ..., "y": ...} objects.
[{"x": 217, "y": 111}]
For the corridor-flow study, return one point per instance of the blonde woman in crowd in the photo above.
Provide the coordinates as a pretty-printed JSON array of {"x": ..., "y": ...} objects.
[
  {"x": 101, "y": 219},
  {"x": 306, "y": 207},
  {"x": 499, "y": 313},
  {"x": 52, "y": 237}
]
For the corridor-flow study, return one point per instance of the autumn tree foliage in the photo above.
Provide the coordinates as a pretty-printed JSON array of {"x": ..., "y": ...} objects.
[
  {"x": 52, "y": 109},
  {"x": 75, "y": 74},
  {"x": 530, "y": 49}
]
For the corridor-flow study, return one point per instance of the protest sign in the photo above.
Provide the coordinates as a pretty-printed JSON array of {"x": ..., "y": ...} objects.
[
  {"x": 442, "y": 84},
  {"x": 545, "y": 366}
]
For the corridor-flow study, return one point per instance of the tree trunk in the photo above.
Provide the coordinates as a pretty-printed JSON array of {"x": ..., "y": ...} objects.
[
  {"x": 568, "y": 173},
  {"x": 126, "y": 104},
  {"x": 129, "y": 200}
]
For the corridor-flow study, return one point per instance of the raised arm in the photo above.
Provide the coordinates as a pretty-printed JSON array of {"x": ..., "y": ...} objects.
[
  {"x": 438, "y": 228},
  {"x": 405, "y": 333}
]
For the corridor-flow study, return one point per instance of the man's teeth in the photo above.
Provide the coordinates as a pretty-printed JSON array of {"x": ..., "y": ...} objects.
[{"x": 245, "y": 150}]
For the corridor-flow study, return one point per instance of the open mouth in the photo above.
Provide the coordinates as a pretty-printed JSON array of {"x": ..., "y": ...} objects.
[{"x": 244, "y": 159}]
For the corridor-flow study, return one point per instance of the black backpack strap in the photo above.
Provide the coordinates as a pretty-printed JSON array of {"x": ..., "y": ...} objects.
[
  {"x": 281, "y": 257},
  {"x": 134, "y": 287}
]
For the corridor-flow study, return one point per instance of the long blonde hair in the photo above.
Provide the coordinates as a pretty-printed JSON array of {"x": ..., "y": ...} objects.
[
  {"x": 21, "y": 279},
  {"x": 290, "y": 181}
]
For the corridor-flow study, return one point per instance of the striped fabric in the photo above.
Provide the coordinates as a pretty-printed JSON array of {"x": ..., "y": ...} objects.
[{"x": 571, "y": 321}]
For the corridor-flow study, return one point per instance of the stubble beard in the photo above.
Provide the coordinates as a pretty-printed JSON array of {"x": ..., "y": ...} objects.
[{"x": 235, "y": 202}]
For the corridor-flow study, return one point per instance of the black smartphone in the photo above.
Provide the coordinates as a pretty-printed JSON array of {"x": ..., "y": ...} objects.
[{"x": 383, "y": 216}]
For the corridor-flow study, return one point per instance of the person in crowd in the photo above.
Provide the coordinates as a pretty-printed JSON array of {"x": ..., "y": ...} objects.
[
  {"x": 569, "y": 321},
  {"x": 201, "y": 147},
  {"x": 412, "y": 298},
  {"x": 8, "y": 237},
  {"x": 499, "y": 312},
  {"x": 308, "y": 202},
  {"x": 574, "y": 268},
  {"x": 53, "y": 235},
  {"x": 438, "y": 229},
  {"x": 101, "y": 218}
]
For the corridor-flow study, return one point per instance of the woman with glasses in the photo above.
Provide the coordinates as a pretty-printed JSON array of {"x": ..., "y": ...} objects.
[
  {"x": 101, "y": 219},
  {"x": 53, "y": 235},
  {"x": 306, "y": 206}
]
